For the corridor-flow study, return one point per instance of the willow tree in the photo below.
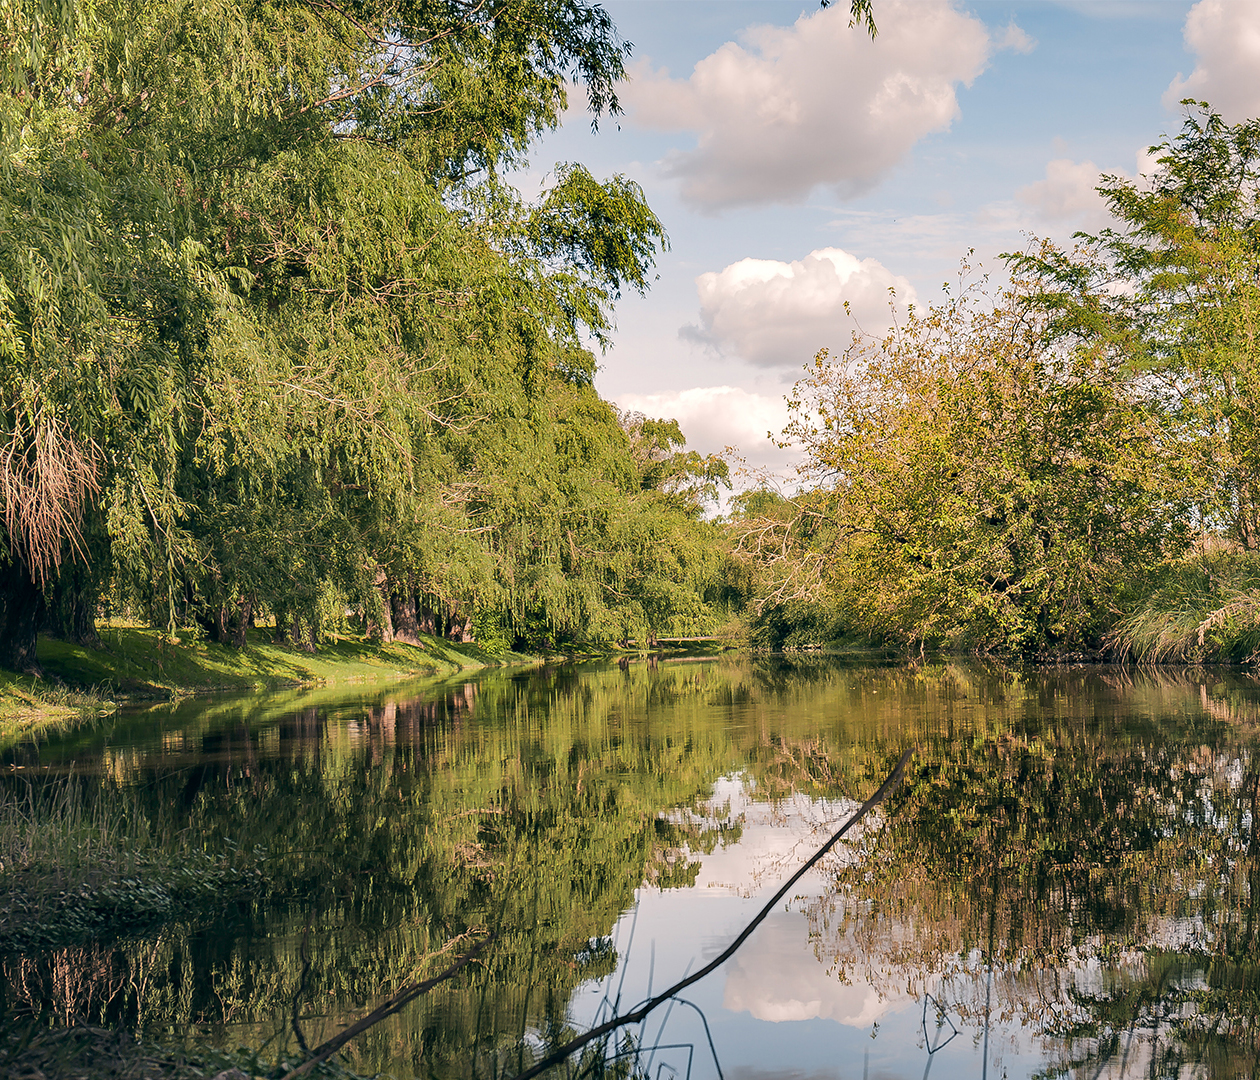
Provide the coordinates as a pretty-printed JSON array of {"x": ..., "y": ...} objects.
[
  {"x": 102, "y": 306},
  {"x": 263, "y": 294}
]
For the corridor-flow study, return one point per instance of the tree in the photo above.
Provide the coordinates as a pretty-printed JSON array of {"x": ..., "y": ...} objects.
[
  {"x": 973, "y": 485},
  {"x": 310, "y": 329},
  {"x": 1173, "y": 292}
]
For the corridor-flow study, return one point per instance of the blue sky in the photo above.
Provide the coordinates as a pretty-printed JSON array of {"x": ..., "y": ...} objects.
[{"x": 797, "y": 165}]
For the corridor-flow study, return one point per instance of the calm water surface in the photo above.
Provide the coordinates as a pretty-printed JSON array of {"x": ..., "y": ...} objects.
[{"x": 1066, "y": 885}]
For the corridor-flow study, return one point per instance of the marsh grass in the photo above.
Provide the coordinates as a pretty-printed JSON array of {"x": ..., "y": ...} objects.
[{"x": 1203, "y": 610}]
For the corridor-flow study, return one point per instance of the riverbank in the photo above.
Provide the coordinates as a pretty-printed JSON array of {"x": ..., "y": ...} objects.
[{"x": 135, "y": 663}]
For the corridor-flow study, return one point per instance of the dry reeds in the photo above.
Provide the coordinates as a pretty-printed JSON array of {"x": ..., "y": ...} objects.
[{"x": 48, "y": 474}]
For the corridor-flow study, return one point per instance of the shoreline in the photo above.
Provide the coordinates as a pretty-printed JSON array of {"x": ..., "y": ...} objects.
[{"x": 132, "y": 665}]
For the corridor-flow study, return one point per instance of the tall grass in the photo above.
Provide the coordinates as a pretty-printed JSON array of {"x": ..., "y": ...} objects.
[
  {"x": 49, "y": 825},
  {"x": 1203, "y": 610}
]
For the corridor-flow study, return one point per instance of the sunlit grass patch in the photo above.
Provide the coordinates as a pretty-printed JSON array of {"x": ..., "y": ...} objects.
[
  {"x": 29, "y": 705},
  {"x": 134, "y": 659}
]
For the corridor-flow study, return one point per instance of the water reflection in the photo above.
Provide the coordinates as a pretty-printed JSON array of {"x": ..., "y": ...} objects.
[{"x": 1069, "y": 877}]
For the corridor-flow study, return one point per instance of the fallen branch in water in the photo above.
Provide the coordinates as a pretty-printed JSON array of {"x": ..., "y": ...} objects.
[
  {"x": 326, "y": 1050},
  {"x": 636, "y": 1016}
]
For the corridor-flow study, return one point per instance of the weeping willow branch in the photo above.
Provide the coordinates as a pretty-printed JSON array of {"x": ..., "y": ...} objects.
[{"x": 47, "y": 477}]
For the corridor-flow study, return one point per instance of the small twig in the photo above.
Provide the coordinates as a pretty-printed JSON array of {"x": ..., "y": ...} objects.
[
  {"x": 638, "y": 1015},
  {"x": 326, "y": 1050}
]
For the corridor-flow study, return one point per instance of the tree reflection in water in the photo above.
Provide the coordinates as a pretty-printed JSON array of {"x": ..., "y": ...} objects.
[
  {"x": 1105, "y": 873},
  {"x": 1086, "y": 838}
]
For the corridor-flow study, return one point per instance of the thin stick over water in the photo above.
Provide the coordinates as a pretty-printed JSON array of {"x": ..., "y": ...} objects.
[{"x": 638, "y": 1015}]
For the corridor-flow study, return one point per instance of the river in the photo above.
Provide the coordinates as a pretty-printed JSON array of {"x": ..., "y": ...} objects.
[{"x": 1066, "y": 883}]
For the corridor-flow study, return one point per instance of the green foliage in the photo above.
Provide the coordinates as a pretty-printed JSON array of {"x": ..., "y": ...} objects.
[
  {"x": 975, "y": 487},
  {"x": 28, "y": 1048},
  {"x": 1172, "y": 292},
  {"x": 74, "y": 870},
  {"x": 276, "y": 340}
]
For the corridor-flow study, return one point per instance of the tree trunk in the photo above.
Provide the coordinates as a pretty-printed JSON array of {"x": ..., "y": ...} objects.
[
  {"x": 227, "y": 623},
  {"x": 402, "y": 603},
  {"x": 21, "y": 608},
  {"x": 244, "y": 619},
  {"x": 71, "y": 612},
  {"x": 459, "y": 628},
  {"x": 383, "y": 630},
  {"x": 215, "y": 624}
]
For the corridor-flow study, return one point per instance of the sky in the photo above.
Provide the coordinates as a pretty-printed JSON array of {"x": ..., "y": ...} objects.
[{"x": 799, "y": 166}]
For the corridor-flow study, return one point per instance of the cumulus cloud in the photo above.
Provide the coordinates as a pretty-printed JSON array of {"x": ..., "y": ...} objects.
[
  {"x": 788, "y": 109},
  {"x": 715, "y": 417},
  {"x": 777, "y": 315},
  {"x": 1068, "y": 195},
  {"x": 1224, "y": 35}
]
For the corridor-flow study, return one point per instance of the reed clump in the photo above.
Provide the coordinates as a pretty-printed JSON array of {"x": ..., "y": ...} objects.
[{"x": 1205, "y": 609}]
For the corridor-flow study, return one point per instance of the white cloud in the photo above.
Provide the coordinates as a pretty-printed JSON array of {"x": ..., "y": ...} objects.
[
  {"x": 1068, "y": 195},
  {"x": 1014, "y": 38},
  {"x": 1122, "y": 9},
  {"x": 816, "y": 103},
  {"x": 1224, "y": 35},
  {"x": 777, "y": 977},
  {"x": 778, "y": 315},
  {"x": 715, "y": 417}
]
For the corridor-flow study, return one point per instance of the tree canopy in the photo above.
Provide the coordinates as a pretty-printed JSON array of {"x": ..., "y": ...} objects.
[
  {"x": 276, "y": 336},
  {"x": 1040, "y": 466}
]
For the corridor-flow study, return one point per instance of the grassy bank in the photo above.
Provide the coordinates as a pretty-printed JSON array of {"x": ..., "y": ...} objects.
[
  {"x": 28, "y": 704},
  {"x": 141, "y": 661},
  {"x": 1202, "y": 609},
  {"x": 137, "y": 662}
]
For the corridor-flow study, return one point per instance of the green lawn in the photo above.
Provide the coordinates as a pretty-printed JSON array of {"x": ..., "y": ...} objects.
[{"x": 136, "y": 662}]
